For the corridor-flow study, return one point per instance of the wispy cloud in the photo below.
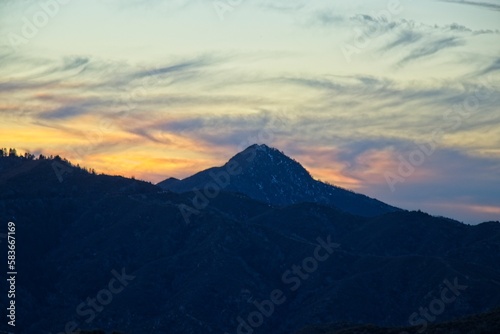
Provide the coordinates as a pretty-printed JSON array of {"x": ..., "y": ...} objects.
[
  {"x": 166, "y": 6},
  {"x": 327, "y": 18},
  {"x": 487, "y": 5},
  {"x": 406, "y": 37},
  {"x": 64, "y": 112},
  {"x": 493, "y": 67},
  {"x": 431, "y": 48},
  {"x": 411, "y": 39},
  {"x": 182, "y": 66},
  {"x": 284, "y": 5}
]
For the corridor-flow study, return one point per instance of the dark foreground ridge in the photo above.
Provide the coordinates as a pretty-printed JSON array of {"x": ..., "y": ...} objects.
[
  {"x": 266, "y": 174},
  {"x": 485, "y": 323},
  {"x": 99, "y": 251}
]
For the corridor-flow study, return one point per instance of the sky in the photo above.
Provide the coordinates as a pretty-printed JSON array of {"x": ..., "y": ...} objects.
[{"x": 396, "y": 99}]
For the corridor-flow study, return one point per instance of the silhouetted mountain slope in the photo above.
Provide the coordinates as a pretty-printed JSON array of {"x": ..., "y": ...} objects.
[
  {"x": 200, "y": 276},
  {"x": 267, "y": 175},
  {"x": 485, "y": 323},
  {"x": 22, "y": 178}
]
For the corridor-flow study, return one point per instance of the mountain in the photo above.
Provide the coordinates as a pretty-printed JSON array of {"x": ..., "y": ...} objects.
[
  {"x": 266, "y": 174},
  {"x": 98, "y": 251}
]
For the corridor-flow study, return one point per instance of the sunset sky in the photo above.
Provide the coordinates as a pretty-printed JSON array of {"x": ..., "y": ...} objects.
[{"x": 154, "y": 89}]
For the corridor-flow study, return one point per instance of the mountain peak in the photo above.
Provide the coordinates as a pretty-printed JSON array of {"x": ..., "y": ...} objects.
[
  {"x": 266, "y": 174},
  {"x": 266, "y": 160},
  {"x": 262, "y": 147},
  {"x": 258, "y": 146}
]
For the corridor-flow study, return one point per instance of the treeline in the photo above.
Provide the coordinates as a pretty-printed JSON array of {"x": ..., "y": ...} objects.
[{"x": 12, "y": 153}]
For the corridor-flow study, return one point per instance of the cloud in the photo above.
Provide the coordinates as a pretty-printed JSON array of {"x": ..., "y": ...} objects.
[
  {"x": 20, "y": 85},
  {"x": 167, "y": 7},
  {"x": 367, "y": 107},
  {"x": 327, "y": 18},
  {"x": 406, "y": 37},
  {"x": 429, "y": 39},
  {"x": 64, "y": 112},
  {"x": 225, "y": 129},
  {"x": 318, "y": 83},
  {"x": 412, "y": 39},
  {"x": 487, "y": 5},
  {"x": 284, "y": 5},
  {"x": 146, "y": 133},
  {"x": 378, "y": 25},
  {"x": 70, "y": 63},
  {"x": 215, "y": 134},
  {"x": 455, "y": 27},
  {"x": 182, "y": 66},
  {"x": 431, "y": 48},
  {"x": 493, "y": 67},
  {"x": 74, "y": 86}
]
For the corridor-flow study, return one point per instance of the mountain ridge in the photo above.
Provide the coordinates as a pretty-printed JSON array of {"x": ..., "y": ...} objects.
[{"x": 268, "y": 175}]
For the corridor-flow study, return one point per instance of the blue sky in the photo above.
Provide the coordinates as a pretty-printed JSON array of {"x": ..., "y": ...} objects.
[{"x": 356, "y": 91}]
